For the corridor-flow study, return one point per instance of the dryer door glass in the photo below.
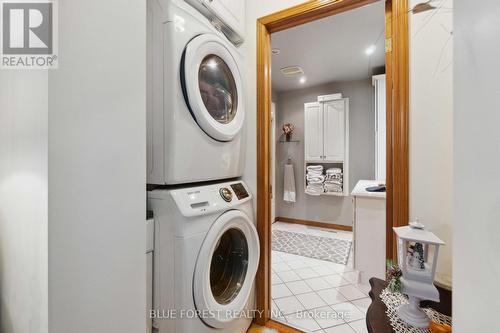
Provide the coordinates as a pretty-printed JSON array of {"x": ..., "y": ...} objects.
[
  {"x": 229, "y": 266},
  {"x": 218, "y": 89},
  {"x": 212, "y": 86}
]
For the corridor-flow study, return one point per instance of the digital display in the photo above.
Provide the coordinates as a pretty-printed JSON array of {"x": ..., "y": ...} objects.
[{"x": 240, "y": 191}]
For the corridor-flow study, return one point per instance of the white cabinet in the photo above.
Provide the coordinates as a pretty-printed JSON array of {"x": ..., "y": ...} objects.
[
  {"x": 378, "y": 82},
  {"x": 326, "y": 143},
  {"x": 369, "y": 231},
  {"x": 227, "y": 15},
  {"x": 313, "y": 132},
  {"x": 334, "y": 129},
  {"x": 326, "y": 131}
]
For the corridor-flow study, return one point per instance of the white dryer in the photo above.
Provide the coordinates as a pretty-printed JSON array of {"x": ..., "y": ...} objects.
[
  {"x": 195, "y": 102},
  {"x": 206, "y": 258}
]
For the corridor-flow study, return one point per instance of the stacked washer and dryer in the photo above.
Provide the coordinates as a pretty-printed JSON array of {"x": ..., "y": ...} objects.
[{"x": 206, "y": 248}]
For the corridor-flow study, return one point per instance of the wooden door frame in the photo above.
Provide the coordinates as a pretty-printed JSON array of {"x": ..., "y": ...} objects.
[{"x": 397, "y": 80}]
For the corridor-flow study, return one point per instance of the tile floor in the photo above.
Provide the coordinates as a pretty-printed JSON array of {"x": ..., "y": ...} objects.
[{"x": 316, "y": 295}]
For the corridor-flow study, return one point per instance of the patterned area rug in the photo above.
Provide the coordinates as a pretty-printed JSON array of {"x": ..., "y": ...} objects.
[{"x": 324, "y": 248}]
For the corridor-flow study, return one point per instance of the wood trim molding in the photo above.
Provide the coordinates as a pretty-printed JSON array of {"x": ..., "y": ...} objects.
[
  {"x": 397, "y": 121},
  {"x": 263, "y": 277},
  {"x": 282, "y": 328},
  {"x": 314, "y": 223}
]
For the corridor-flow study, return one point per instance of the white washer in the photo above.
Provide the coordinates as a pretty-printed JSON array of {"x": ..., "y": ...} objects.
[
  {"x": 206, "y": 258},
  {"x": 195, "y": 103}
]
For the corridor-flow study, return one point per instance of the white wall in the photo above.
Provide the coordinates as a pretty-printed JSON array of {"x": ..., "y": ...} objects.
[
  {"x": 431, "y": 119},
  {"x": 476, "y": 264},
  {"x": 97, "y": 157},
  {"x": 23, "y": 201}
]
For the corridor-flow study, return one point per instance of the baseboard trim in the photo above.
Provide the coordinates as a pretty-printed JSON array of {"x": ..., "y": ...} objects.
[{"x": 314, "y": 223}]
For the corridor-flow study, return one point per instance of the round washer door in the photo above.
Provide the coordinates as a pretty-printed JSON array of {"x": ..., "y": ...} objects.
[
  {"x": 226, "y": 268},
  {"x": 212, "y": 86}
]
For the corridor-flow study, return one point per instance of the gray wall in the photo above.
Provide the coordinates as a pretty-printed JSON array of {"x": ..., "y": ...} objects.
[{"x": 290, "y": 108}]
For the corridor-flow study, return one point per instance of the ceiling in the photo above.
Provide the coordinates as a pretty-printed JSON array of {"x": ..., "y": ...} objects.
[{"x": 330, "y": 49}]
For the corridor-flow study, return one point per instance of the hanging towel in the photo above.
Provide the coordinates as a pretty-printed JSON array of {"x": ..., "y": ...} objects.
[{"x": 289, "y": 186}]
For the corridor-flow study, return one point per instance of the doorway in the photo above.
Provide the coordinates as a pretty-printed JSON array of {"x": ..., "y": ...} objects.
[{"x": 397, "y": 121}]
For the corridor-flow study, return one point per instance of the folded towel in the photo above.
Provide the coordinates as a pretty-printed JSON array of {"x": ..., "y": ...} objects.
[
  {"x": 332, "y": 188},
  {"x": 315, "y": 168},
  {"x": 315, "y": 179},
  {"x": 333, "y": 182},
  {"x": 333, "y": 170},
  {"x": 289, "y": 185}
]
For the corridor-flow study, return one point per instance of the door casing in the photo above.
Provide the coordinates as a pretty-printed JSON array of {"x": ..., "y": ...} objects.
[{"x": 397, "y": 86}]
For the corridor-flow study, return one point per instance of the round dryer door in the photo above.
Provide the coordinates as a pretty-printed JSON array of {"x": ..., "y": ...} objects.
[
  {"x": 226, "y": 267},
  {"x": 212, "y": 87}
]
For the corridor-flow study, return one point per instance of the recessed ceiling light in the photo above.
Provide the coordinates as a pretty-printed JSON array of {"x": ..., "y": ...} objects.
[
  {"x": 302, "y": 79},
  {"x": 370, "y": 49},
  {"x": 275, "y": 51}
]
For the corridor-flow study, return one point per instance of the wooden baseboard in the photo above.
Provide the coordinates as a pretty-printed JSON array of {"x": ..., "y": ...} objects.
[{"x": 314, "y": 223}]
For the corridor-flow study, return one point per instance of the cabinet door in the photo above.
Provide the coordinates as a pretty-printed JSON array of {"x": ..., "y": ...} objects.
[
  {"x": 232, "y": 12},
  {"x": 334, "y": 130},
  {"x": 313, "y": 132}
]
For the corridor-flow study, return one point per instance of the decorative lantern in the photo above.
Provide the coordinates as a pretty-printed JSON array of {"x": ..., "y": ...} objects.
[{"x": 417, "y": 257}]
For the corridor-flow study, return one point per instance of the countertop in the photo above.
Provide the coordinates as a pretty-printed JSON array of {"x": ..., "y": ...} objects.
[{"x": 360, "y": 189}]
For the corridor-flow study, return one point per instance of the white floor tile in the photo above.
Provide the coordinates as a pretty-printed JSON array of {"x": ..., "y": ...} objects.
[
  {"x": 275, "y": 258},
  {"x": 364, "y": 288},
  {"x": 298, "y": 287},
  {"x": 297, "y": 264},
  {"x": 280, "y": 267},
  {"x": 352, "y": 277},
  {"x": 344, "y": 328},
  {"x": 289, "y": 305},
  {"x": 326, "y": 317},
  {"x": 350, "y": 292},
  {"x": 317, "y": 283},
  {"x": 335, "y": 280},
  {"x": 279, "y": 291},
  {"x": 311, "y": 300},
  {"x": 306, "y": 273},
  {"x": 348, "y": 311},
  {"x": 288, "y": 276},
  {"x": 275, "y": 279},
  {"x": 275, "y": 311},
  {"x": 331, "y": 296},
  {"x": 359, "y": 326},
  {"x": 362, "y": 304},
  {"x": 288, "y": 257},
  {"x": 303, "y": 321},
  {"x": 324, "y": 270}
]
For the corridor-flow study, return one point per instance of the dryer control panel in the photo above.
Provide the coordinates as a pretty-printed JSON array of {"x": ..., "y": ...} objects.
[{"x": 203, "y": 200}]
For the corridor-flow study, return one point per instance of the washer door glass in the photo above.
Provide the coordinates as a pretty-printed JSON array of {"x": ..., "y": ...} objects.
[
  {"x": 218, "y": 89},
  {"x": 226, "y": 267},
  {"x": 212, "y": 87},
  {"x": 229, "y": 265}
]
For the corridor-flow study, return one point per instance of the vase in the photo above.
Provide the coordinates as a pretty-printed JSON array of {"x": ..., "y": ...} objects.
[{"x": 288, "y": 137}]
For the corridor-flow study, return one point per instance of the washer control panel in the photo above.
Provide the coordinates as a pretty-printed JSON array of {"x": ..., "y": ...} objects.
[
  {"x": 195, "y": 201},
  {"x": 226, "y": 194},
  {"x": 240, "y": 191}
]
